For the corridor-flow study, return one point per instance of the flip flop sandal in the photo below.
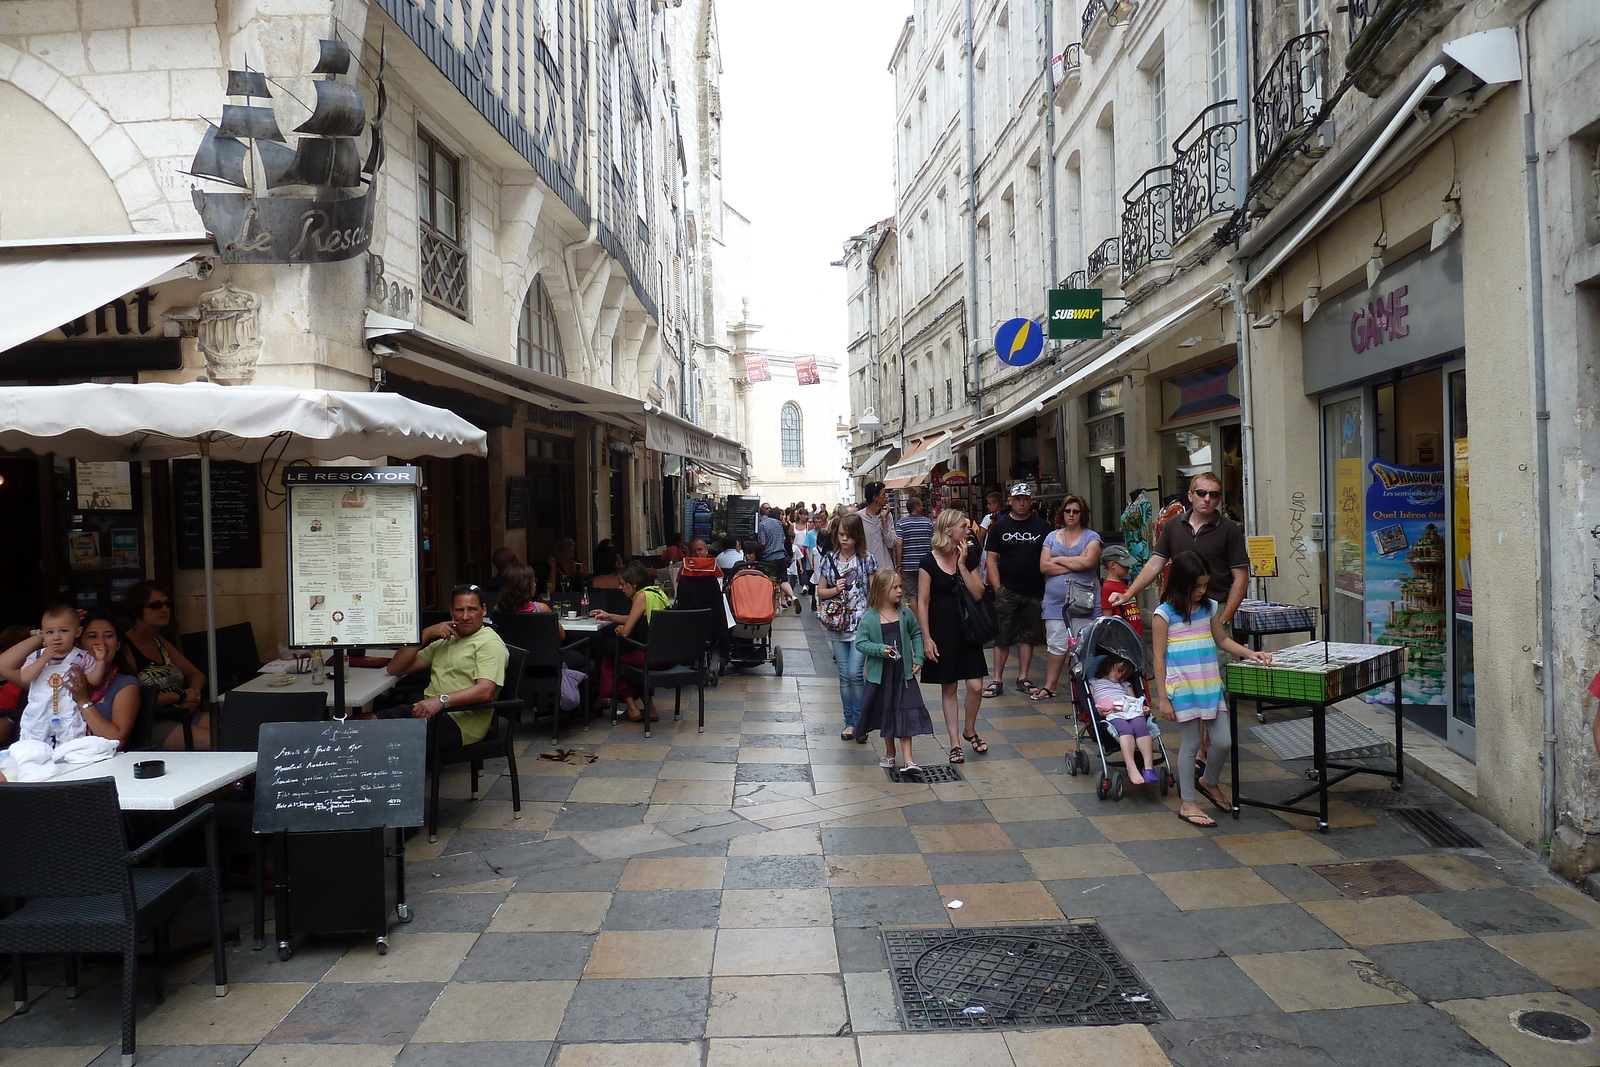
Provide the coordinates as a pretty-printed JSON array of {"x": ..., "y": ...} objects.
[
  {"x": 993, "y": 689},
  {"x": 979, "y": 745},
  {"x": 956, "y": 756},
  {"x": 1041, "y": 693},
  {"x": 1215, "y": 801},
  {"x": 886, "y": 764},
  {"x": 911, "y": 768},
  {"x": 1199, "y": 818},
  {"x": 1025, "y": 686}
]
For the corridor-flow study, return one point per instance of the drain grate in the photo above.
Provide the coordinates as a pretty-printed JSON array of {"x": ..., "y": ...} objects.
[
  {"x": 1379, "y": 878},
  {"x": 983, "y": 977},
  {"x": 1435, "y": 829},
  {"x": 924, "y": 775},
  {"x": 1552, "y": 1025}
]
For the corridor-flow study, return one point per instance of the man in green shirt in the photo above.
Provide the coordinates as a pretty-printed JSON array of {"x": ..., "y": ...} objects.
[{"x": 466, "y": 662}]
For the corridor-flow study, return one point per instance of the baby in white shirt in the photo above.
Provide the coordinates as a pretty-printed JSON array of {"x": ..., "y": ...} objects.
[{"x": 52, "y": 714}]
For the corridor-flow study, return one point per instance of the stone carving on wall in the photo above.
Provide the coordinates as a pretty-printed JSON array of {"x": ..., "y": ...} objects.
[{"x": 229, "y": 333}]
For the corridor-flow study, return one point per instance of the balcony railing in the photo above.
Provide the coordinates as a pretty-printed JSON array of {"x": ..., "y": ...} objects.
[
  {"x": 1067, "y": 63},
  {"x": 1105, "y": 256},
  {"x": 1100, "y": 15},
  {"x": 1078, "y": 279},
  {"x": 1359, "y": 15},
  {"x": 1203, "y": 174},
  {"x": 1091, "y": 10},
  {"x": 1291, "y": 96},
  {"x": 1147, "y": 220}
]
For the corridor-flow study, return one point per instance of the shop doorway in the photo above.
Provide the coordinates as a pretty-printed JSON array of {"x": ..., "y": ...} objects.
[
  {"x": 1395, "y": 462},
  {"x": 553, "y": 516},
  {"x": 30, "y": 577}
]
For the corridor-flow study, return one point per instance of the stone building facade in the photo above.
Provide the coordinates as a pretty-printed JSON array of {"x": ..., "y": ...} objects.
[{"x": 533, "y": 261}]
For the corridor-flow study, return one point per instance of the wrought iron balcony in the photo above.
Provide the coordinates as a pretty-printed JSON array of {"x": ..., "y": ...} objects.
[
  {"x": 1291, "y": 96},
  {"x": 1147, "y": 220},
  {"x": 1100, "y": 15},
  {"x": 1359, "y": 15},
  {"x": 1078, "y": 279},
  {"x": 1065, "y": 70},
  {"x": 1105, "y": 256},
  {"x": 1204, "y": 172}
]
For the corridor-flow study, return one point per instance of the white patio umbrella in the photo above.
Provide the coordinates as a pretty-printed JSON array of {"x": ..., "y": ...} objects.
[{"x": 159, "y": 421}]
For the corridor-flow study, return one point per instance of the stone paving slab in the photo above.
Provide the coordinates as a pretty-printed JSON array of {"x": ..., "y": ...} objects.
[{"x": 715, "y": 899}]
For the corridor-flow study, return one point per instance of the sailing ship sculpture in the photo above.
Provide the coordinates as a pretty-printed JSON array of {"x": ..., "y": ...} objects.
[{"x": 249, "y": 152}]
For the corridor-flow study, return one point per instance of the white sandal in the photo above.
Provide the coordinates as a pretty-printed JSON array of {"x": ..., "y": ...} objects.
[{"x": 887, "y": 763}]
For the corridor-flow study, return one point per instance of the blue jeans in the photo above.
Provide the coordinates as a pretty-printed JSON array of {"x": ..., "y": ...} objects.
[{"x": 852, "y": 665}]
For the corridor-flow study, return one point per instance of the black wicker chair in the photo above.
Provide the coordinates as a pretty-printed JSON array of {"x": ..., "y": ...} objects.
[
  {"x": 237, "y": 658},
  {"x": 539, "y": 634},
  {"x": 78, "y": 889},
  {"x": 675, "y": 656},
  {"x": 499, "y": 741}
]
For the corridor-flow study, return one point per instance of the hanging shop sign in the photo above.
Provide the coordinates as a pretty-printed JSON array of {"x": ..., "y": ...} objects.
[
  {"x": 1076, "y": 314},
  {"x": 248, "y": 151},
  {"x": 1416, "y": 312},
  {"x": 1019, "y": 342}
]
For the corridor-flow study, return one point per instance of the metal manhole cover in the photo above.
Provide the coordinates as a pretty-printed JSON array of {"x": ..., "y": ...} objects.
[
  {"x": 975, "y": 977},
  {"x": 1379, "y": 878},
  {"x": 924, "y": 775},
  {"x": 1552, "y": 1025}
]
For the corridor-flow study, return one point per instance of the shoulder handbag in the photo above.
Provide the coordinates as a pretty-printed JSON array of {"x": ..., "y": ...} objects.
[
  {"x": 979, "y": 623},
  {"x": 833, "y": 613},
  {"x": 1080, "y": 594}
]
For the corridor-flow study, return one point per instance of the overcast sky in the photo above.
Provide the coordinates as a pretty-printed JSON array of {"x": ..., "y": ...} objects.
[{"x": 808, "y": 148}]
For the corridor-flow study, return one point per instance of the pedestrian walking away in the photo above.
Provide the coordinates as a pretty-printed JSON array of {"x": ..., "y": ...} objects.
[
  {"x": 1012, "y": 550},
  {"x": 1186, "y": 684},
  {"x": 916, "y": 536},
  {"x": 952, "y": 661}
]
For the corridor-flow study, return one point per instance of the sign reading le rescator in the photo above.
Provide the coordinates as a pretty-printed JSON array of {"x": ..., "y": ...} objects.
[{"x": 1075, "y": 314}]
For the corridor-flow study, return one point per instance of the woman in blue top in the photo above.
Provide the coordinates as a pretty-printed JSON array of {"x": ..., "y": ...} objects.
[{"x": 1070, "y": 561}]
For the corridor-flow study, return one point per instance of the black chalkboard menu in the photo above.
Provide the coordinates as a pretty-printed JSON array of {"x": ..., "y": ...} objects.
[
  {"x": 519, "y": 499},
  {"x": 742, "y": 512},
  {"x": 235, "y": 515},
  {"x": 339, "y": 775}
]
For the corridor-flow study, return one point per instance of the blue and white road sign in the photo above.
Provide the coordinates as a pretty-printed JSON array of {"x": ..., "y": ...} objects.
[{"x": 1019, "y": 342}]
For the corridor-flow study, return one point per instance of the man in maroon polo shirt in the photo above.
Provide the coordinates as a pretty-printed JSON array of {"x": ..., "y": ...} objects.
[{"x": 1205, "y": 530}]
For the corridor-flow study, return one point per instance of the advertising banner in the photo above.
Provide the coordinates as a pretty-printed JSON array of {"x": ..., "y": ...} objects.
[
  {"x": 755, "y": 367},
  {"x": 1406, "y": 587},
  {"x": 805, "y": 370}
]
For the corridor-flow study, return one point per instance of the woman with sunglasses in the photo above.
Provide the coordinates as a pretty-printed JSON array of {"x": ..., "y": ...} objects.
[
  {"x": 158, "y": 665},
  {"x": 1069, "y": 559}
]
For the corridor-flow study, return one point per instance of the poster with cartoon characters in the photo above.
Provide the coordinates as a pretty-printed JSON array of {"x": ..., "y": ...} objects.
[{"x": 1406, "y": 587}]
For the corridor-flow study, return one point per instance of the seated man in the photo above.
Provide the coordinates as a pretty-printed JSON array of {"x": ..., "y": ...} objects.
[
  {"x": 697, "y": 547},
  {"x": 466, "y": 662}
]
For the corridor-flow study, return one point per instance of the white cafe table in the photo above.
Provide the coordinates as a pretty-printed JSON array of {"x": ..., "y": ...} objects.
[
  {"x": 190, "y": 776},
  {"x": 362, "y": 685},
  {"x": 585, "y": 625}
]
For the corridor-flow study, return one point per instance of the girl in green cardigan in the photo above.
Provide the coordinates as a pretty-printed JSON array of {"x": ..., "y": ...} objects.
[{"x": 890, "y": 638}]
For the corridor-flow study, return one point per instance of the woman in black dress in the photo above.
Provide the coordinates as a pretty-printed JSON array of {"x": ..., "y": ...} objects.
[{"x": 951, "y": 659}]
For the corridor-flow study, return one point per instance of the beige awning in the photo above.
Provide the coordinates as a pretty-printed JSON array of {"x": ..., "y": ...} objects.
[
  {"x": 44, "y": 284},
  {"x": 665, "y": 432},
  {"x": 872, "y": 462}
]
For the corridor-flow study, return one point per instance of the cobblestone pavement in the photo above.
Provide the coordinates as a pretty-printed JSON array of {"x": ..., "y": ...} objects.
[{"x": 714, "y": 898}]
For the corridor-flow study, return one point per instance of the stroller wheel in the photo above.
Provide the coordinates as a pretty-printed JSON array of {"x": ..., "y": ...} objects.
[
  {"x": 1072, "y": 764},
  {"x": 1166, "y": 781},
  {"x": 777, "y": 660},
  {"x": 1083, "y": 762},
  {"x": 1103, "y": 790},
  {"x": 1116, "y": 785}
]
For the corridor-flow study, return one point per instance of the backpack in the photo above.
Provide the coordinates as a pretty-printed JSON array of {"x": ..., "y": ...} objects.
[{"x": 699, "y": 567}]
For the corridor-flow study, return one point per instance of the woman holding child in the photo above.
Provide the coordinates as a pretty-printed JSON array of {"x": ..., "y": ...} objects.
[{"x": 92, "y": 698}]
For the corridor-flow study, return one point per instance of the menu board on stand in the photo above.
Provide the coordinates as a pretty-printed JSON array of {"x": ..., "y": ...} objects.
[{"x": 353, "y": 579}]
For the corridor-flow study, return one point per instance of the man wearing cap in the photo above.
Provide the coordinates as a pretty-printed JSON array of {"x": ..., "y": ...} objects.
[
  {"x": 1012, "y": 550},
  {"x": 883, "y": 539},
  {"x": 1216, "y": 538}
]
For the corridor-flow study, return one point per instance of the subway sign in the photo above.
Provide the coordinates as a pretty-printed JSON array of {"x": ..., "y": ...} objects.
[{"x": 1075, "y": 314}]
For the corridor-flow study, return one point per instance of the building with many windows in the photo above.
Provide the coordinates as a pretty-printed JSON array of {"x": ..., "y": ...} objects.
[
  {"x": 545, "y": 221},
  {"x": 1329, "y": 239}
]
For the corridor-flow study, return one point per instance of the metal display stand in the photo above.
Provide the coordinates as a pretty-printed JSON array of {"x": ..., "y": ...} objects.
[{"x": 1354, "y": 741}]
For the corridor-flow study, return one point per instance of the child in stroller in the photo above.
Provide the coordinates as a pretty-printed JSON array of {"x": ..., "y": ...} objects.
[{"x": 1126, "y": 714}]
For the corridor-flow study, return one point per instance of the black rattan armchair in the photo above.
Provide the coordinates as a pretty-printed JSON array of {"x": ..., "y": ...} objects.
[
  {"x": 77, "y": 888},
  {"x": 675, "y": 656},
  {"x": 499, "y": 741}
]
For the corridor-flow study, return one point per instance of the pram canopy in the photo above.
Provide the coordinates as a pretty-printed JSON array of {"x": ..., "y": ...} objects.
[{"x": 1109, "y": 635}]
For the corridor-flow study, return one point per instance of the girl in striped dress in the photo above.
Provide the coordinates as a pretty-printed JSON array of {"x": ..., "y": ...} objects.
[{"x": 1187, "y": 682}]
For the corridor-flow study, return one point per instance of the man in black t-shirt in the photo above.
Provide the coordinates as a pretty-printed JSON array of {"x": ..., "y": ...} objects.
[{"x": 1013, "y": 546}]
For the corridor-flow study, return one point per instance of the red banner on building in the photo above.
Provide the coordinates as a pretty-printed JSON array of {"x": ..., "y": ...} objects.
[
  {"x": 805, "y": 370},
  {"x": 755, "y": 367}
]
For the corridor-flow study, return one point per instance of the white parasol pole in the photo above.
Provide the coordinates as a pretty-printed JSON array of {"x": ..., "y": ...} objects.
[{"x": 211, "y": 588}]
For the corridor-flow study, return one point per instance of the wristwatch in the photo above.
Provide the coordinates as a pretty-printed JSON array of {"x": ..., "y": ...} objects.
[{"x": 444, "y": 699}]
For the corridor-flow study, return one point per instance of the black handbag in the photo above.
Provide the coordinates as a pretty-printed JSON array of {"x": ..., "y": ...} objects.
[{"x": 979, "y": 623}]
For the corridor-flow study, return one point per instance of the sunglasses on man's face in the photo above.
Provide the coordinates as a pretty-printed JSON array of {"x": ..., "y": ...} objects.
[
  {"x": 1214, "y": 494},
  {"x": 157, "y": 605}
]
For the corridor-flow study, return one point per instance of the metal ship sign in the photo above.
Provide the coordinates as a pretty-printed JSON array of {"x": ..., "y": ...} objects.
[{"x": 325, "y": 209}]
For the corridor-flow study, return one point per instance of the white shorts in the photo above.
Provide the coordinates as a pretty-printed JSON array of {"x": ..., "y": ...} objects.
[{"x": 1056, "y": 633}]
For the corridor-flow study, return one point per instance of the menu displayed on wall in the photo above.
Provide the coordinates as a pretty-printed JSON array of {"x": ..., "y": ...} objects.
[
  {"x": 353, "y": 578},
  {"x": 104, "y": 486},
  {"x": 235, "y": 516}
]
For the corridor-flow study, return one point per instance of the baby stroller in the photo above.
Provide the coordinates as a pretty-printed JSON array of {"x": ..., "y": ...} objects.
[
  {"x": 1108, "y": 636},
  {"x": 749, "y": 644}
]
